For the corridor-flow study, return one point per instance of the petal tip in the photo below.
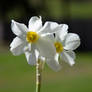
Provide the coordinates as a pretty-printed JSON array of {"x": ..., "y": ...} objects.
[
  {"x": 11, "y": 49},
  {"x": 12, "y": 21},
  {"x": 39, "y": 17},
  {"x": 66, "y": 26}
]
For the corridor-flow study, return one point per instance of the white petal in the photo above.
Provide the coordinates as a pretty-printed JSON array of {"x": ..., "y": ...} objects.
[
  {"x": 29, "y": 46},
  {"x": 31, "y": 54},
  {"x": 72, "y": 41},
  {"x": 17, "y": 46},
  {"x": 61, "y": 34},
  {"x": 50, "y": 27},
  {"x": 68, "y": 56},
  {"x": 18, "y": 28},
  {"x": 53, "y": 63},
  {"x": 45, "y": 47},
  {"x": 35, "y": 23},
  {"x": 36, "y": 54},
  {"x": 31, "y": 57},
  {"x": 49, "y": 37}
]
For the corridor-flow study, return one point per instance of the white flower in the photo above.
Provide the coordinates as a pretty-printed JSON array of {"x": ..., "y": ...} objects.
[
  {"x": 65, "y": 43},
  {"x": 32, "y": 39}
]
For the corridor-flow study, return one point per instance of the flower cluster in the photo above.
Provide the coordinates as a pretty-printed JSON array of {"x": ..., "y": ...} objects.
[{"x": 49, "y": 42}]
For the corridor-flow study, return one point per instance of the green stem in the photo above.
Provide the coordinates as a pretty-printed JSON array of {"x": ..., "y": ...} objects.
[{"x": 38, "y": 75}]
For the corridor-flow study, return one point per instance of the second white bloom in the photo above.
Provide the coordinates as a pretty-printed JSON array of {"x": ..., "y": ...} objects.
[{"x": 65, "y": 43}]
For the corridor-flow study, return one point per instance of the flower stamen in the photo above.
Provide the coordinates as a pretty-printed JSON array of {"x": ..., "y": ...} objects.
[
  {"x": 32, "y": 37},
  {"x": 59, "y": 47}
]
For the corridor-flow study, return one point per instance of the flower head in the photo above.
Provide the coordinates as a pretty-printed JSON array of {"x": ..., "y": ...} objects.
[
  {"x": 65, "y": 43},
  {"x": 38, "y": 41},
  {"x": 33, "y": 39}
]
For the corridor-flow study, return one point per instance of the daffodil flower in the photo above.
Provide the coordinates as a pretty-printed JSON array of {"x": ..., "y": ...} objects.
[
  {"x": 65, "y": 43},
  {"x": 32, "y": 39}
]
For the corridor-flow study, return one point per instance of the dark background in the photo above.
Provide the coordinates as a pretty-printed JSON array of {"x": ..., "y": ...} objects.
[{"x": 76, "y": 13}]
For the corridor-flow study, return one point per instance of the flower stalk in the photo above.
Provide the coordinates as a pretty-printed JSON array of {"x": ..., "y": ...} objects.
[{"x": 38, "y": 75}]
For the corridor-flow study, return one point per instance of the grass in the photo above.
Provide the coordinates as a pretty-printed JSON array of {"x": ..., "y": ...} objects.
[{"x": 17, "y": 76}]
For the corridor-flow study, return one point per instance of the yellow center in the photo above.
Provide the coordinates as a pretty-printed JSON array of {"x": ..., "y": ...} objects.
[
  {"x": 32, "y": 37},
  {"x": 59, "y": 47}
]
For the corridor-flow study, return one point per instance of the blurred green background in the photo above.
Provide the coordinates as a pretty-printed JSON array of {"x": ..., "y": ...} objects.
[{"x": 17, "y": 76}]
